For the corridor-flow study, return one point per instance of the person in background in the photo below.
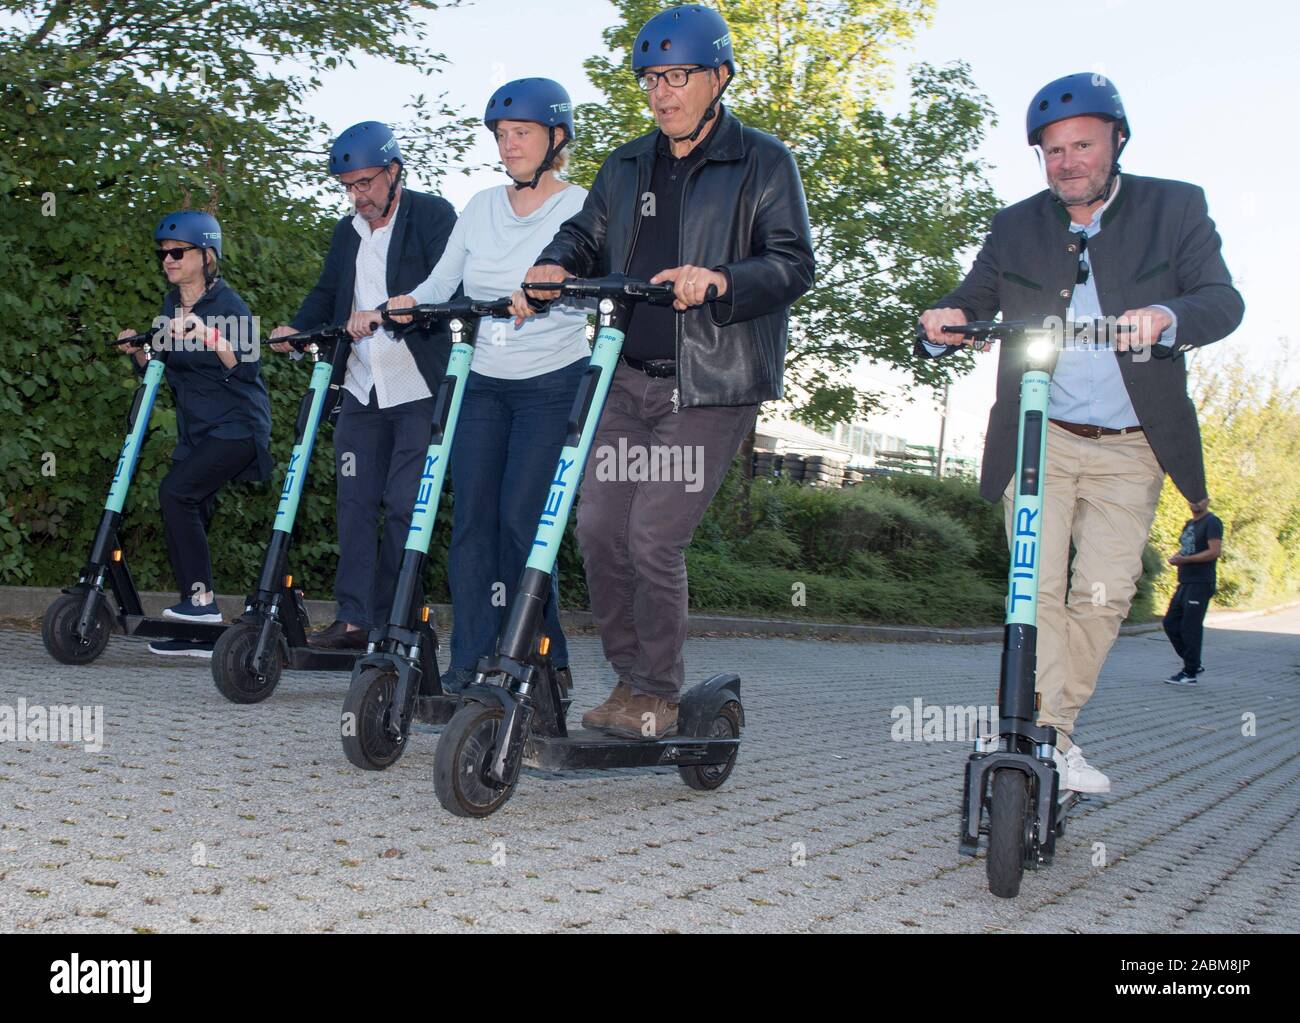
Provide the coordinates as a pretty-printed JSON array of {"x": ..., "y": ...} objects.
[
  {"x": 522, "y": 379},
  {"x": 1199, "y": 548},
  {"x": 223, "y": 413},
  {"x": 390, "y": 242}
]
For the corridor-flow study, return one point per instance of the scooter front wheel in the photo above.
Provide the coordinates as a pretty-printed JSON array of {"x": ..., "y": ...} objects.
[
  {"x": 367, "y": 741},
  {"x": 232, "y": 665},
  {"x": 59, "y": 631},
  {"x": 463, "y": 758},
  {"x": 725, "y": 725},
  {"x": 1008, "y": 812}
]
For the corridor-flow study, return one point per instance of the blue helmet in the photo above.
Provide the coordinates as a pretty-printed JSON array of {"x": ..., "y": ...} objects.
[
  {"x": 691, "y": 34},
  {"x": 368, "y": 144},
  {"x": 1075, "y": 96},
  {"x": 531, "y": 99},
  {"x": 193, "y": 226}
]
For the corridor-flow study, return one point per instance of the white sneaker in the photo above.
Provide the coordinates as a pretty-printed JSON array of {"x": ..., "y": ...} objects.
[{"x": 1077, "y": 775}]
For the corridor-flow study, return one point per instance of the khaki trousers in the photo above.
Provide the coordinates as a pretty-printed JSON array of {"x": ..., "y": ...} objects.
[{"x": 1101, "y": 495}]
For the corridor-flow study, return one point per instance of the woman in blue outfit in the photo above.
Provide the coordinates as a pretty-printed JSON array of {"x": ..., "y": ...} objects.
[
  {"x": 522, "y": 380},
  {"x": 223, "y": 415}
]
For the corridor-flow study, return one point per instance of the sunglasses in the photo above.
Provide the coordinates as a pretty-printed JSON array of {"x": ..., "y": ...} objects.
[{"x": 175, "y": 254}]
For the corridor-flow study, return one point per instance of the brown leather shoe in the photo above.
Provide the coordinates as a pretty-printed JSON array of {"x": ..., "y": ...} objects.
[
  {"x": 337, "y": 636},
  {"x": 643, "y": 717},
  {"x": 598, "y": 717}
]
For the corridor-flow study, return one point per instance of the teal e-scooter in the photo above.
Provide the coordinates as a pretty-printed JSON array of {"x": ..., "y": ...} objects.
[
  {"x": 396, "y": 682},
  {"x": 1012, "y": 795},
  {"x": 77, "y": 624},
  {"x": 271, "y": 632},
  {"x": 515, "y": 710}
]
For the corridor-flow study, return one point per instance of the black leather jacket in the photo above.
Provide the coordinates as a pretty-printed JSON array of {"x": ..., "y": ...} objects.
[{"x": 743, "y": 213}]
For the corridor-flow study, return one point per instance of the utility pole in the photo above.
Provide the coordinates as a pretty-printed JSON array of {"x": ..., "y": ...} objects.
[{"x": 943, "y": 430}]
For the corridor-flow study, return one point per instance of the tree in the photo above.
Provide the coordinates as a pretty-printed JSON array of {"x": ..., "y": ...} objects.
[
  {"x": 893, "y": 198},
  {"x": 112, "y": 114},
  {"x": 1250, "y": 435}
]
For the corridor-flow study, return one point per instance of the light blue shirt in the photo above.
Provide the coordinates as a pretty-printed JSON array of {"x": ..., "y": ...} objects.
[{"x": 1086, "y": 385}]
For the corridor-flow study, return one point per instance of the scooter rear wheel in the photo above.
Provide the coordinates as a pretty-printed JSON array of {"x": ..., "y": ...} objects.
[
  {"x": 59, "y": 631},
  {"x": 1008, "y": 809},
  {"x": 460, "y": 764},
  {"x": 232, "y": 665},
  {"x": 367, "y": 742},
  {"x": 726, "y": 725}
]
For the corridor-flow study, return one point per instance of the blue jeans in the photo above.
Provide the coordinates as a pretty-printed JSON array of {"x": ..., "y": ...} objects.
[{"x": 508, "y": 440}]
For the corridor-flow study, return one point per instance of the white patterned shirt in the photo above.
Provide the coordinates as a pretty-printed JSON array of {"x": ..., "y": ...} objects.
[{"x": 380, "y": 360}]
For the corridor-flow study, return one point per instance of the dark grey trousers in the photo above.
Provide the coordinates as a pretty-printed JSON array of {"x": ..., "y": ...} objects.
[{"x": 650, "y": 476}]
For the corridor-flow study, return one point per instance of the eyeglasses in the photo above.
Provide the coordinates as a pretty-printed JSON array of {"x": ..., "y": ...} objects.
[
  {"x": 175, "y": 254},
  {"x": 676, "y": 77},
  {"x": 1085, "y": 271},
  {"x": 361, "y": 184}
]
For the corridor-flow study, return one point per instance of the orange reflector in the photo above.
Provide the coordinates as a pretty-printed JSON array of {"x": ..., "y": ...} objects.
[
  {"x": 424, "y": 613},
  {"x": 117, "y": 554},
  {"x": 544, "y": 645},
  {"x": 288, "y": 582}
]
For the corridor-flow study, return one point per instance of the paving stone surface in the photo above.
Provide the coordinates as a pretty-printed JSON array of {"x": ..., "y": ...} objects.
[{"x": 200, "y": 815}]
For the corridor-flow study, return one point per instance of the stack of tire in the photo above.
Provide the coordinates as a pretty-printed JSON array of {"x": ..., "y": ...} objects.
[
  {"x": 852, "y": 477},
  {"x": 792, "y": 467},
  {"x": 822, "y": 471},
  {"x": 767, "y": 463}
]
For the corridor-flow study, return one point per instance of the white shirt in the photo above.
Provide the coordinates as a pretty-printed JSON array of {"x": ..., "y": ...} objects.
[
  {"x": 380, "y": 360},
  {"x": 490, "y": 249}
]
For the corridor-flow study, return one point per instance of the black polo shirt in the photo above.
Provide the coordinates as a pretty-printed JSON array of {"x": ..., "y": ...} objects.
[
  {"x": 652, "y": 329},
  {"x": 211, "y": 400}
]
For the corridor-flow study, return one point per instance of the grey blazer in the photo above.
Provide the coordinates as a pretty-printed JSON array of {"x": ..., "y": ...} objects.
[{"x": 1157, "y": 246}]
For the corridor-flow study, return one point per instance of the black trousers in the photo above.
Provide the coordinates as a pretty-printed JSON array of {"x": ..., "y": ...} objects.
[
  {"x": 187, "y": 496},
  {"x": 1185, "y": 622},
  {"x": 379, "y": 455}
]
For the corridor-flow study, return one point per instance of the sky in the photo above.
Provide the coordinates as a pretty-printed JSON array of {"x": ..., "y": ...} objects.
[{"x": 1202, "y": 84}]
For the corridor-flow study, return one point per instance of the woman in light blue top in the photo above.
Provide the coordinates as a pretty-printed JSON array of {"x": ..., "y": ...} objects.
[{"x": 522, "y": 380}]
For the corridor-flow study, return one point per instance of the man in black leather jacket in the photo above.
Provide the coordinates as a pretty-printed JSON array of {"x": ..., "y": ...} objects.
[{"x": 704, "y": 201}]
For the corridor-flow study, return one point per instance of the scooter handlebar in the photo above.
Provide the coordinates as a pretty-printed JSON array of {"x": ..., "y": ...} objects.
[
  {"x": 306, "y": 338},
  {"x": 982, "y": 333},
  {"x": 135, "y": 339},
  {"x": 613, "y": 286},
  {"x": 434, "y": 312}
]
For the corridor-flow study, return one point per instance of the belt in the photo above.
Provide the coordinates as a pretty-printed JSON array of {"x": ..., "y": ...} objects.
[
  {"x": 653, "y": 367},
  {"x": 1093, "y": 432}
]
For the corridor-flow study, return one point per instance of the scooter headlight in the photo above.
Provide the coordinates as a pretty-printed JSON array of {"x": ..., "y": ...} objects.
[{"x": 1039, "y": 350}]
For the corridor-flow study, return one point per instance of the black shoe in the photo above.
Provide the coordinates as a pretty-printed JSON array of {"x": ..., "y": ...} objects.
[
  {"x": 181, "y": 648},
  {"x": 565, "y": 677},
  {"x": 1181, "y": 679},
  {"x": 338, "y": 637},
  {"x": 454, "y": 680}
]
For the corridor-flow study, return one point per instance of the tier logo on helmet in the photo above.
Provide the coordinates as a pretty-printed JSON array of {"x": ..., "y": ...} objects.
[
  {"x": 724, "y": 41},
  {"x": 212, "y": 234},
  {"x": 561, "y": 108},
  {"x": 388, "y": 145}
]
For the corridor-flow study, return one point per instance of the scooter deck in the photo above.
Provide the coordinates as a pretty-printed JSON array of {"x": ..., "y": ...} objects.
[
  {"x": 587, "y": 749},
  {"x": 167, "y": 628},
  {"x": 308, "y": 658}
]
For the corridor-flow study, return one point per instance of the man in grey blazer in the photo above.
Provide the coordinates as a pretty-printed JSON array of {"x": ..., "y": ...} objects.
[{"x": 1144, "y": 252}]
